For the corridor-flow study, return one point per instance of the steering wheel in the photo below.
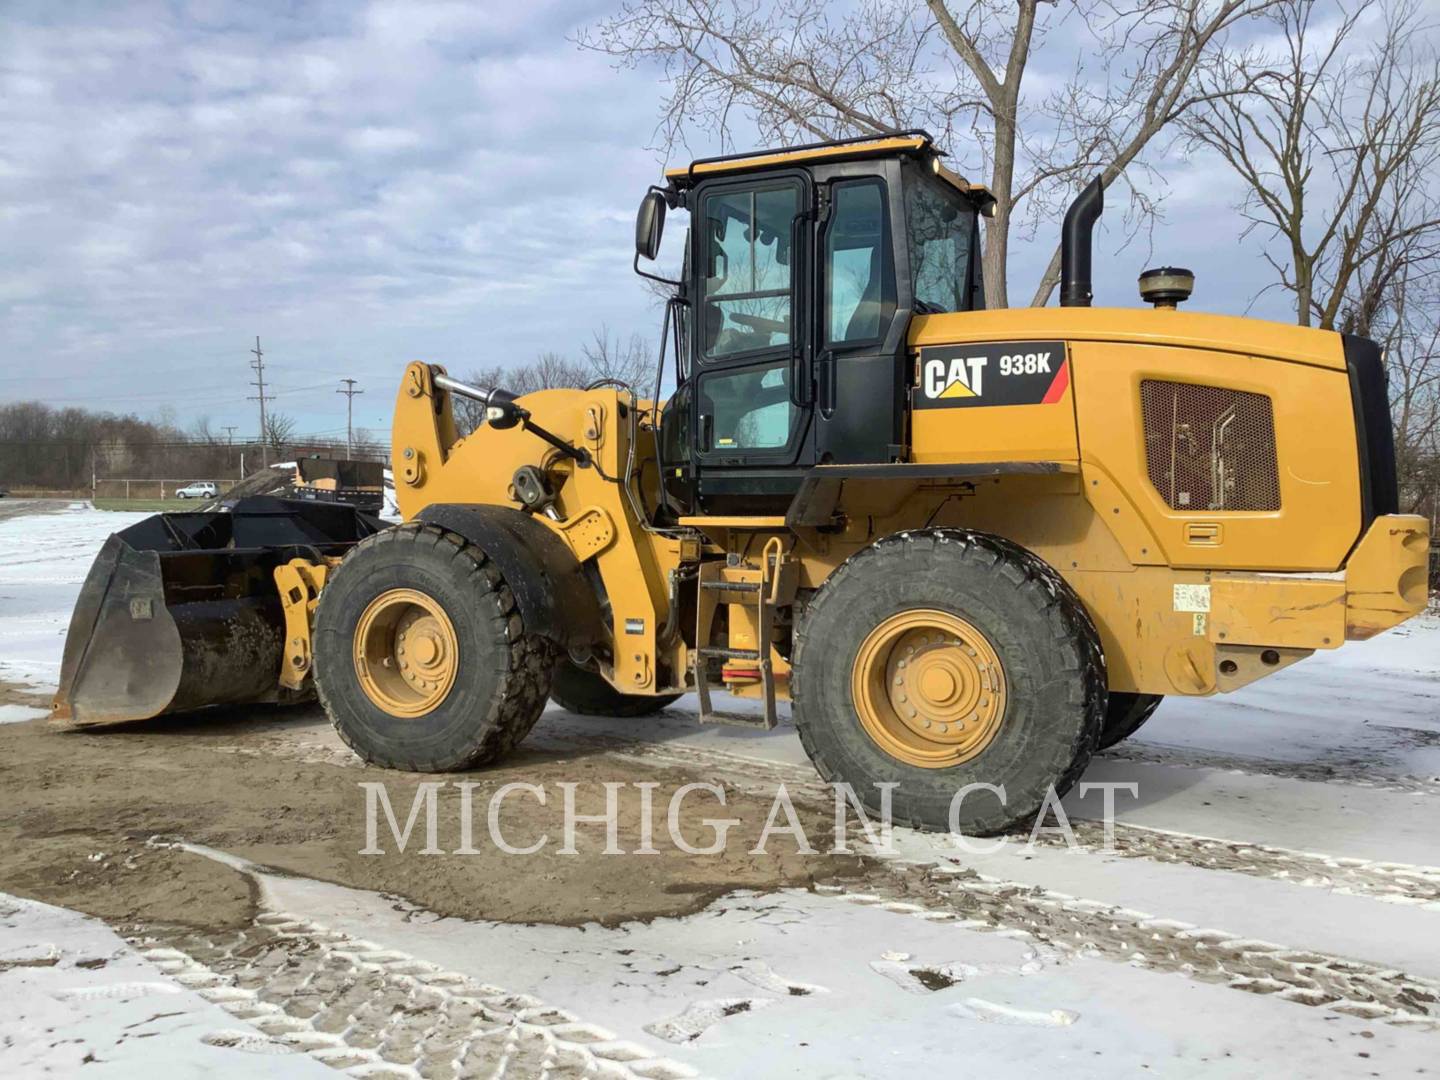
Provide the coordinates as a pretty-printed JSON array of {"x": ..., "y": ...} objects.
[{"x": 757, "y": 322}]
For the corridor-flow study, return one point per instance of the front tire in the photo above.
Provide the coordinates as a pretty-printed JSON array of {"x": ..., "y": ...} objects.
[
  {"x": 588, "y": 694},
  {"x": 422, "y": 659},
  {"x": 989, "y": 642}
]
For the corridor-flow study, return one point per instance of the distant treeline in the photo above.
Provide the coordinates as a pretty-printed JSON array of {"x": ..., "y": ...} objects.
[{"x": 62, "y": 449}]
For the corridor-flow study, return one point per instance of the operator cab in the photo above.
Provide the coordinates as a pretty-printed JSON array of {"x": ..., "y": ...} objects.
[{"x": 803, "y": 267}]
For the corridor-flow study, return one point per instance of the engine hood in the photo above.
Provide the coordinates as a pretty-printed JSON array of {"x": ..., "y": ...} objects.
[{"x": 1223, "y": 333}]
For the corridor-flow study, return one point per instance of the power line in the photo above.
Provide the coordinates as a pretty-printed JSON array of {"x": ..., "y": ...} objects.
[
  {"x": 160, "y": 397},
  {"x": 258, "y": 364},
  {"x": 330, "y": 437},
  {"x": 349, "y": 391}
]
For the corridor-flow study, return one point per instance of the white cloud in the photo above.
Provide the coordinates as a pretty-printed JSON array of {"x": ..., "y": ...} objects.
[
  {"x": 382, "y": 140},
  {"x": 361, "y": 185}
]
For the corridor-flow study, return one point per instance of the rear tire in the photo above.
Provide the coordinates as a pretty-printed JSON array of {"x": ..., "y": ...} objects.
[
  {"x": 1126, "y": 714},
  {"x": 500, "y": 674},
  {"x": 587, "y": 693},
  {"x": 1020, "y": 612}
]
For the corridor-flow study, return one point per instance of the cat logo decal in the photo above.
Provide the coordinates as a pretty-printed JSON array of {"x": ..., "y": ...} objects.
[{"x": 993, "y": 373}]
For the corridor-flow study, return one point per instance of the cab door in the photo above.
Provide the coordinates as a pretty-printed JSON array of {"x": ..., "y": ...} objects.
[
  {"x": 860, "y": 322},
  {"x": 751, "y": 343}
]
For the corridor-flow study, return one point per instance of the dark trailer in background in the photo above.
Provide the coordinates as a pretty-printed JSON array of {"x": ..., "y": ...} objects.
[{"x": 359, "y": 483}]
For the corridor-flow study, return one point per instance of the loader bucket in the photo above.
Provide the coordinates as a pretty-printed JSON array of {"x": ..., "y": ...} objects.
[{"x": 180, "y": 610}]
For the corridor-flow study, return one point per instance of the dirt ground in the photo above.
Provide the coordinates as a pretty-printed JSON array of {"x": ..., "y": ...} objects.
[
  {"x": 80, "y": 812},
  {"x": 15, "y": 694},
  {"x": 11, "y": 507}
]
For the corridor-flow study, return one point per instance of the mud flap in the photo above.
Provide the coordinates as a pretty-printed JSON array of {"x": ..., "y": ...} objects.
[{"x": 180, "y": 611}]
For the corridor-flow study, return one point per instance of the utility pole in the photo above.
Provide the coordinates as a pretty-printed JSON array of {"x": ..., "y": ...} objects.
[
  {"x": 349, "y": 391},
  {"x": 258, "y": 366},
  {"x": 230, "y": 444}
]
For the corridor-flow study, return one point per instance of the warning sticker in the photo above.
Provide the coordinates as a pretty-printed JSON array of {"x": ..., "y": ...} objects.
[
  {"x": 1192, "y": 598},
  {"x": 993, "y": 373}
]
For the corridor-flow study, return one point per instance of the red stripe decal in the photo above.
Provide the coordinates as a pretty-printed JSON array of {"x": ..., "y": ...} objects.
[{"x": 1058, "y": 385}]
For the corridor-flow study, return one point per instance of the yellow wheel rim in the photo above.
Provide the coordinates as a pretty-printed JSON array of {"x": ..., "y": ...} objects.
[
  {"x": 929, "y": 688},
  {"x": 405, "y": 652}
]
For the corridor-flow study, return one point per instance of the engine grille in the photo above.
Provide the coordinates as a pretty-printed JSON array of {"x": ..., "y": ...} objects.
[{"x": 1210, "y": 447}]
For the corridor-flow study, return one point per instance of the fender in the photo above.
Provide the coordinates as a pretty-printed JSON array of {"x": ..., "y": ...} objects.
[{"x": 551, "y": 591}]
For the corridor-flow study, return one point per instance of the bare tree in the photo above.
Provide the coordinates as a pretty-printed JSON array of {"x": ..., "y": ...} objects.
[
  {"x": 604, "y": 359},
  {"x": 1408, "y": 328},
  {"x": 547, "y": 371},
  {"x": 1338, "y": 154},
  {"x": 204, "y": 432},
  {"x": 805, "y": 68},
  {"x": 617, "y": 360},
  {"x": 367, "y": 445},
  {"x": 279, "y": 430}
]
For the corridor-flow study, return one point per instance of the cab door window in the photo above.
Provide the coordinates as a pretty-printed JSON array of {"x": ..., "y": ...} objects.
[
  {"x": 748, "y": 270},
  {"x": 859, "y": 274},
  {"x": 747, "y": 409}
]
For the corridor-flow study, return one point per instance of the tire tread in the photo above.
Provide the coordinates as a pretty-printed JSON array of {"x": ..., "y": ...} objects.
[
  {"x": 523, "y": 691},
  {"x": 1072, "y": 629}
]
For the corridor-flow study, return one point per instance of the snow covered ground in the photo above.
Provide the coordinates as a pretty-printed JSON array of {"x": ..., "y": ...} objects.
[
  {"x": 79, "y": 1001},
  {"x": 45, "y": 554},
  {"x": 1270, "y": 905}
]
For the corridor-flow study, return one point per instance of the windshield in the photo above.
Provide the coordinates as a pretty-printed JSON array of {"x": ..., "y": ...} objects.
[{"x": 941, "y": 227}]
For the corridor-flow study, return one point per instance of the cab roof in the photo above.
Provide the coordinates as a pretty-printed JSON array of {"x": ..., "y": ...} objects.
[{"x": 916, "y": 143}]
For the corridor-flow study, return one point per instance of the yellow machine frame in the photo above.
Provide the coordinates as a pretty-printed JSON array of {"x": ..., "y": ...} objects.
[{"x": 1185, "y": 602}]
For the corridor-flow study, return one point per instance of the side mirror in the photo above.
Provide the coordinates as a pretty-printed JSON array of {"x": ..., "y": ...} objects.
[{"x": 650, "y": 224}]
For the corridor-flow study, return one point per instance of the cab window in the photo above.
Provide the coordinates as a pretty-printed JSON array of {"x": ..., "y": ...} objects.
[
  {"x": 859, "y": 275},
  {"x": 942, "y": 233},
  {"x": 747, "y": 270}
]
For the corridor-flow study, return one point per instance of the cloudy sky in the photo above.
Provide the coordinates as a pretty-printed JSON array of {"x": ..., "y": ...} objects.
[{"x": 360, "y": 184}]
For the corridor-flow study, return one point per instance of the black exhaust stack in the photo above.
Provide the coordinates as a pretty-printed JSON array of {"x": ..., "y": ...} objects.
[{"x": 1075, "y": 245}]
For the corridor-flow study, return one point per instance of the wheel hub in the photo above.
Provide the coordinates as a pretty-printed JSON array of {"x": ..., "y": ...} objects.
[
  {"x": 929, "y": 688},
  {"x": 405, "y": 652}
]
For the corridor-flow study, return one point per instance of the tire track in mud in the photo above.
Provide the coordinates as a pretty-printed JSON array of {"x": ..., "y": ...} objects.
[
  {"x": 374, "y": 1012},
  {"x": 1354, "y": 772},
  {"x": 1395, "y": 883},
  {"x": 1389, "y": 882},
  {"x": 1088, "y": 928}
]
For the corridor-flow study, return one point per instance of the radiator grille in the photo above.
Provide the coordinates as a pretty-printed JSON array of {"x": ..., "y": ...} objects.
[{"x": 1209, "y": 447}]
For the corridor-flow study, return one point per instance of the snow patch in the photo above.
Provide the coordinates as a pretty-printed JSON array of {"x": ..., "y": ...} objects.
[
  {"x": 991, "y": 1012},
  {"x": 700, "y": 1016},
  {"x": 15, "y": 714}
]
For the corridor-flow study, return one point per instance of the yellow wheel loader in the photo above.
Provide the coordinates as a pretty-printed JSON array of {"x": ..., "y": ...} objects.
[{"x": 970, "y": 547}]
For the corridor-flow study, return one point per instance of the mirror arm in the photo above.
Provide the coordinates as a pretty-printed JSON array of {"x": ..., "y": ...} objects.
[
  {"x": 653, "y": 277},
  {"x": 660, "y": 363}
]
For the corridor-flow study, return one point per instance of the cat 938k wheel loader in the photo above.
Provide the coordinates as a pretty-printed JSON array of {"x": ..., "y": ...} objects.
[{"x": 970, "y": 547}]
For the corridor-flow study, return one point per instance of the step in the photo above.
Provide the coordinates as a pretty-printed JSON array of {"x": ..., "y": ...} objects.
[
  {"x": 732, "y": 586},
  {"x": 728, "y": 654}
]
